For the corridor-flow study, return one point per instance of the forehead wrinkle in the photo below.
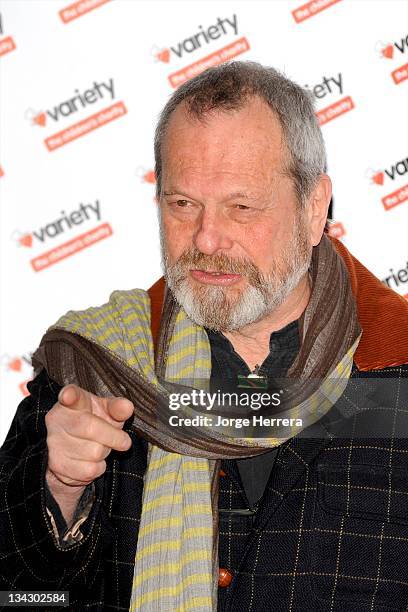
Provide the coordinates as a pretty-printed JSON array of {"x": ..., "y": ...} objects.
[
  {"x": 235, "y": 170},
  {"x": 198, "y": 153},
  {"x": 222, "y": 186},
  {"x": 233, "y": 174}
]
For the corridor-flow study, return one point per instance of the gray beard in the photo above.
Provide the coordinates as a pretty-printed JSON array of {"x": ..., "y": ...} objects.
[{"x": 217, "y": 308}]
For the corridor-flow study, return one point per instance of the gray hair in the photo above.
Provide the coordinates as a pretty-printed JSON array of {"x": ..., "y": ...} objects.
[{"x": 227, "y": 87}]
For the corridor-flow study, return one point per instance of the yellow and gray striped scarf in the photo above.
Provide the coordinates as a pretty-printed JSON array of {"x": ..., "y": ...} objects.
[{"x": 175, "y": 566}]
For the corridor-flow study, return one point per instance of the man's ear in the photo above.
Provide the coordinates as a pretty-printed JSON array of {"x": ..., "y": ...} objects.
[{"x": 317, "y": 207}]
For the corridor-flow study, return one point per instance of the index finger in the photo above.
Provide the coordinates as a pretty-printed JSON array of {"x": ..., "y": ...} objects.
[{"x": 72, "y": 396}]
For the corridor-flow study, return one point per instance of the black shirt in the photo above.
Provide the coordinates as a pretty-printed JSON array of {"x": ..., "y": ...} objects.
[{"x": 226, "y": 366}]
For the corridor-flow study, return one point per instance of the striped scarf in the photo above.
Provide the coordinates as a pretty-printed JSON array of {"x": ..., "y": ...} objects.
[{"x": 175, "y": 564}]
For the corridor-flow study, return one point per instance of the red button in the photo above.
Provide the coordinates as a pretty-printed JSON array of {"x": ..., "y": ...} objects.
[
  {"x": 224, "y": 577},
  {"x": 222, "y": 473}
]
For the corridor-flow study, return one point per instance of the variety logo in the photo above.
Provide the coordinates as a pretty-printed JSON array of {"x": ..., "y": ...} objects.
[
  {"x": 377, "y": 177},
  {"x": 64, "y": 223},
  {"x": 77, "y": 9},
  {"x": 77, "y": 103},
  {"x": 387, "y": 50},
  {"x": 396, "y": 280},
  {"x": 222, "y": 55},
  {"x": 398, "y": 169},
  {"x": 74, "y": 104},
  {"x": 327, "y": 86},
  {"x": 311, "y": 8},
  {"x": 85, "y": 126},
  {"x": 71, "y": 247},
  {"x": 203, "y": 37}
]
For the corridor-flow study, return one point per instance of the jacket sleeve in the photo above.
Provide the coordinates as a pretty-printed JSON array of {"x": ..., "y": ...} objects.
[{"x": 32, "y": 556}]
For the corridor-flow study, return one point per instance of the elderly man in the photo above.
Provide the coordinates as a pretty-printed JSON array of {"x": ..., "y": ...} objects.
[{"x": 103, "y": 498}]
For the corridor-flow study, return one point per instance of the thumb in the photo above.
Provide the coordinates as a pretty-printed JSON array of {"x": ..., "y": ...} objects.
[{"x": 120, "y": 409}]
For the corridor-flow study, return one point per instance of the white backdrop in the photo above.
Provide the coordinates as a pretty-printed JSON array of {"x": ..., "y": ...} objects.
[{"x": 81, "y": 87}]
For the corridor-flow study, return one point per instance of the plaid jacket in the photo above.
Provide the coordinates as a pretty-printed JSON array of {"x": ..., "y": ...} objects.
[{"x": 331, "y": 533}]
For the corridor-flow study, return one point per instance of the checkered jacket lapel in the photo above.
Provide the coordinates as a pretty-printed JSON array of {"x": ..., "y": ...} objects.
[{"x": 290, "y": 465}]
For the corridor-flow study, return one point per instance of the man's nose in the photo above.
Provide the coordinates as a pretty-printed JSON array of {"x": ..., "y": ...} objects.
[{"x": 212, "y": 233}]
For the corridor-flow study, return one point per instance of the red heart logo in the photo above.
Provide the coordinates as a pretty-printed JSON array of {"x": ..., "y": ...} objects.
[
  {"x": 388, "y": 51},
  {"x": 40, "y": 119},
  {"x": 378, "y": 178},
  {"x": 26, "y": 240},
  {"x": 149, "y": 177},
  {"x": 15, "y": 364},
  {"x": 163, "y": 55}
]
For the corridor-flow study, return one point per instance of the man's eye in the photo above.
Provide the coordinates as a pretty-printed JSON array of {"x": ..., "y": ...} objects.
[
  {"x": 182, "y": 203},
  {"x": 242, "y": 207}
]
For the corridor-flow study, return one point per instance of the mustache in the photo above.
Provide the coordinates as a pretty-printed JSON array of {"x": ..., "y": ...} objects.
[{"x": 193, "y": 258}]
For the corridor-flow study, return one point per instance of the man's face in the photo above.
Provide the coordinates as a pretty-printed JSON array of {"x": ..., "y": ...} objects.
[{"x": 234, "y": 241}]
